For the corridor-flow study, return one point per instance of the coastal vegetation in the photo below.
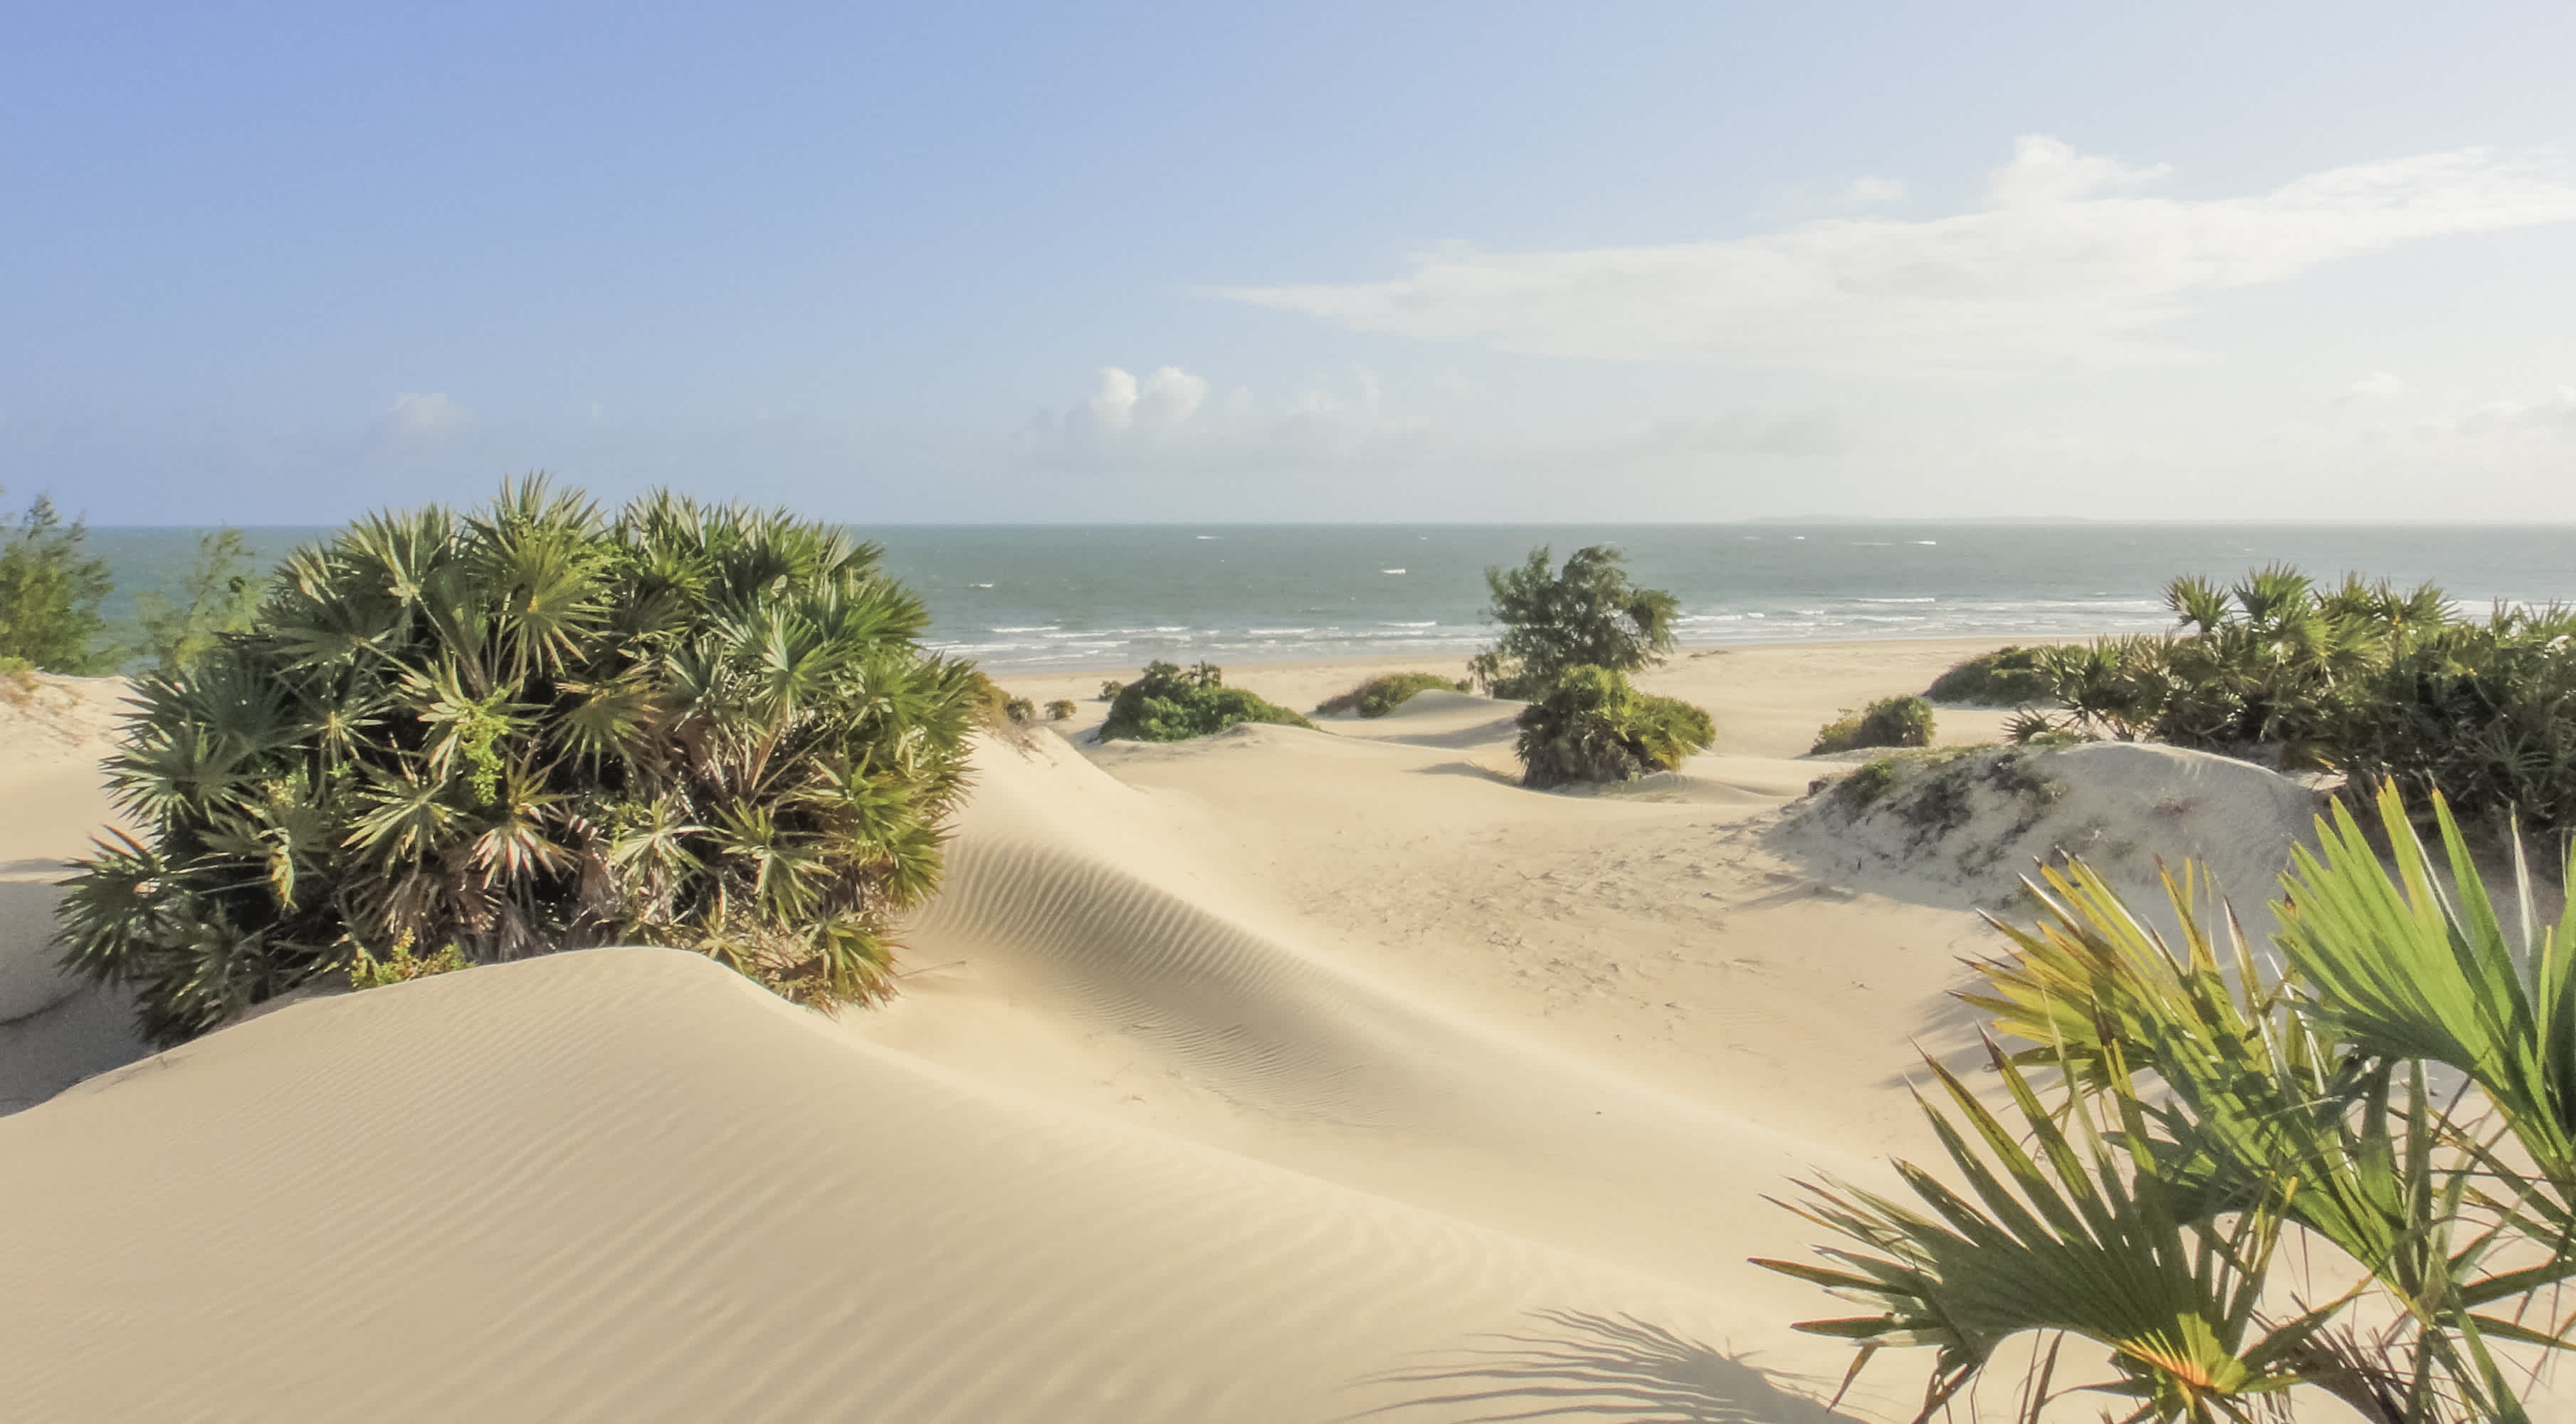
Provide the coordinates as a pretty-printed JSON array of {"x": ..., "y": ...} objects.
[
  {"x": 220, "y": 594},
  {"x": 1061, "y": 710},
  {"x": 2010, "y": 676},
  {"x": 1889, "y": 722},
  {"x": 2346, "y": 1170},
  {"x": 1380, "y": 695},
  {"x": 1170, "y": 704},
  {"x": 531, "y": 727},
  {"x": 1591, "y": 726},
  {"x": 51, "y": 587},
  {"x": 2364, "y": 678},
  {"x": 1587, "y": 614}
]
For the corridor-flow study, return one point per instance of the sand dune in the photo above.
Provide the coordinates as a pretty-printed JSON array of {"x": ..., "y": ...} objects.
[
  {"x": 54, "y": 1029},
  {"x": 626, "y": 1184},
  {"x": 1284, "y": 1075}
]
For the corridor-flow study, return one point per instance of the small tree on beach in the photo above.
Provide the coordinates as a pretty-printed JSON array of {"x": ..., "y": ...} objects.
[
  {"x": 1587, "y": 614},
  {"x": 220, "y": 594},
  {"x": 530, "y": 728},
  {"x": 50, "y": 591}
]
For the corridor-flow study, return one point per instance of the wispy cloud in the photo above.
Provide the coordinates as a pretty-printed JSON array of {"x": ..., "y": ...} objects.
[
  {"x": 2064, "y": 260},
  {"x": 429, "y": 415},
  {"x": 1866, "y": 189}
]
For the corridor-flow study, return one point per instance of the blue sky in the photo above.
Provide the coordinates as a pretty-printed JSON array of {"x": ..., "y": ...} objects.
[{"x": 264, "y": 263}]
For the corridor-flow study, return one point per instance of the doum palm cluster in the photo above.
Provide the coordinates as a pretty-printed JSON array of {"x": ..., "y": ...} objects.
[{"x": 535, "y": 727}]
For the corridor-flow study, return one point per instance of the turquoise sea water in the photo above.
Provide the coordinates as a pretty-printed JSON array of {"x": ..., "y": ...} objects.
[{"x": 1082, "y": 596}]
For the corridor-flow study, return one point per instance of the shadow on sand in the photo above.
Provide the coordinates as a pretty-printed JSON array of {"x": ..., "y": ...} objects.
[{"x": 1581, "y": 1366}]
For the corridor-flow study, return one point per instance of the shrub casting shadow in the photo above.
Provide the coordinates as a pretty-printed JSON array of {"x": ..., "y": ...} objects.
[{"x": 1597, "y": 1367}]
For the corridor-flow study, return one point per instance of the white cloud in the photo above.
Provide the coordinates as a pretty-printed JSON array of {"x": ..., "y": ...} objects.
[
  {"x": 426, "y": 416},
  {"x": 2377, "y": 386},
  {"x": 2047, "y": 170},
  {"x": 2552, "y": 414},
  {"x": 2061, "y": 263},
  {"x": 1163, "y": 401},
  {"x": 1866, "y": 189}
]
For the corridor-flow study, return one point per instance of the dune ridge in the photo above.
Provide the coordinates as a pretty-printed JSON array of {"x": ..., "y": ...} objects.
[
  {"x": 463, "y": 1196},
  {"x": 1284, "y": 1075}
]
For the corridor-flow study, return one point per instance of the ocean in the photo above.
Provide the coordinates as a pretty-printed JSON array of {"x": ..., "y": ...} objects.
[{"x": 1116, "y": 596}]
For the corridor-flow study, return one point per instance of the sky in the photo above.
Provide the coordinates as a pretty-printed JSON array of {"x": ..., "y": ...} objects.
[{"x": 266, "y": 264}]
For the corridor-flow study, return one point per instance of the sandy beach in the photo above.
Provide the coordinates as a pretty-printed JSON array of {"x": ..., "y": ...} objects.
[{"x": 1281, "y": 1075}]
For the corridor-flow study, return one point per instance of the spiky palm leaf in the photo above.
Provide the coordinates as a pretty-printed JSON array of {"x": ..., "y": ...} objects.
[{"x": 532, "y": 727}]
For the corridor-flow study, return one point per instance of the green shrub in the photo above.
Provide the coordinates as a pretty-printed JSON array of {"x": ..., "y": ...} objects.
[
  {"x": 1888, "y": 722},
  {"x": 1170, "y": 705},
  {"x": 987, "y": 704},
  {"x": 1381, "y": 695},
  {"x": 2365, "y": 678},
  {"x": 529, "y": 729},
  {"x": 400, "y": 964},
  {"x": 1020, "y": 710},
  {"x": 1587, "y": 615},
  {"x": 2484, "y": 714},
  {"x": 1593, "y": 727},
  {"x": 50, "y": 592},
  {"x": 220, "y": 595},
  {"x": 2006, "y": 677},
  {"x": 1061, "y": 710},
  {"x": 1109, "y": 691}
]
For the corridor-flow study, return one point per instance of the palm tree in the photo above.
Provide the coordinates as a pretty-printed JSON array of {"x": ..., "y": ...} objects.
[
  {"x": 530, "y": 728},
  {"x": 2195, "y": 1113}
]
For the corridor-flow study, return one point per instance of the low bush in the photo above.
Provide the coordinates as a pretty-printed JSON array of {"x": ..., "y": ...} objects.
[
  {"x": 2006, "y": 677},
  {"x": 2364, "y": 678},
  {"x": 987, "y": 704},
  {"x": 1109, "y": 691},
  {"x": 1060, "y": 710},
  {"x": 1888, "y": 722},
  {"x": 2484, "y": 714},
  {"x": 1021, "y": 711},
  {"x": 400, "y": 964},
  {"x": 1169, "y": 704},
  {"x": 1591, "y": 726},
  {"x": 1381, "y": 695},
  {"x": 537, "y": 726}
]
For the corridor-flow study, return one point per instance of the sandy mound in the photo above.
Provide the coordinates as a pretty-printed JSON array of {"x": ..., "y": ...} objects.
[
  {"x": 1972, "y": 823},
  {"x": 626, "y": 1184},
  {"x": 54, "y": 1029}
]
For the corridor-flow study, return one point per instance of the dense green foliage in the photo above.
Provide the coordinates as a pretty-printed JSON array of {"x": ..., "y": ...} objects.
[
  {"x": 50, "y": 591},
  {"x": 1381, "y": 695},
  {"x": 220, "y": 594},
  {"x": 1061, "y": 710},
  {"x": 2484, "y": 712},
  {"x": 1888, "y": 722},
  {"x": 2007, "y": 677},
  {"x": 2350, "y": 1171},
  {"x": 1169, "y": 704},
  {"x": 1589, "y": 614},
  {"x": 2365, "y": 678},
  {"x": 1593, "y": 727},
  {"x": 533, "y": 728}
]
